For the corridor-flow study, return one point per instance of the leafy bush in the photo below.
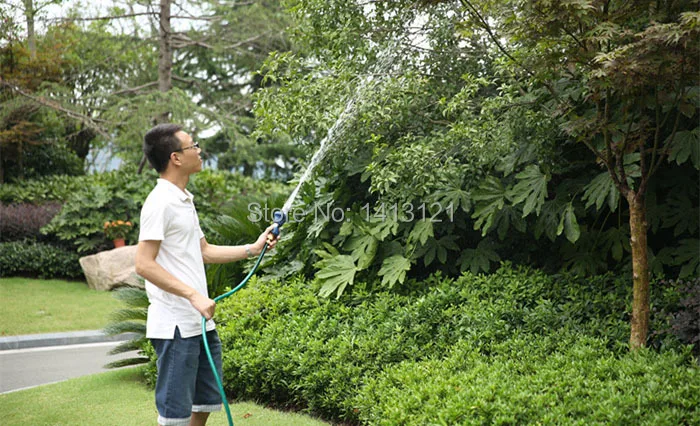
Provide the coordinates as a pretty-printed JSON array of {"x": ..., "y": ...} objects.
[
  {"x": 217, "y": 192},
  {"x": 233, "y": 226},
  {"x": 530, "y": 379},
  {"x": 39, "y": 160},
  {"x": 20, "y": 221},
  {"x": 38, "y": 259},
  {"x": 37, "y": 191},
  {"x": 519, "y": 183},
  {"x": 285, "y": 346},
  {"x": 117, "y": 195},
  {"x": 90, "y": 201}
]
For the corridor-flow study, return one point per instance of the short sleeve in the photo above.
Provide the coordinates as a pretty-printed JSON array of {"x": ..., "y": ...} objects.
[
  {"x": 199, "y": 228},
  {"x": 153, "y": 220}
]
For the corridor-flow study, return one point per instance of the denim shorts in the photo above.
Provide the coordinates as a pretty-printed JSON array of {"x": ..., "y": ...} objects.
[{"x": 185, "y": 381}]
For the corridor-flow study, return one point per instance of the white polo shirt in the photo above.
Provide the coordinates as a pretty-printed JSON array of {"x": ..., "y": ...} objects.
[{"x": 169, "y": 216}]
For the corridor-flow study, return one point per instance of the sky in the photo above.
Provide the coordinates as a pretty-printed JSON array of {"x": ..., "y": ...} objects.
[{"x": 51, "y": 10}]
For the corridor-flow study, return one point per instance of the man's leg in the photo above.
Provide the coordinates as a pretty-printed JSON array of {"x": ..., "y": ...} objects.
[
  {"x": 199, "y": 419},
  {"x": 177, "y": 375},
  {"x": 207, "y": 398}
]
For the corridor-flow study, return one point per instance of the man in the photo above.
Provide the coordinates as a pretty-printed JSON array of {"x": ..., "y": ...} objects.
[{"x": 171, "y": 254}]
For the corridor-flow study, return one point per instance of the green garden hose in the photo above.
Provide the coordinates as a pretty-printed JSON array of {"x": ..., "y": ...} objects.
[{"x": 206, "y": 344}]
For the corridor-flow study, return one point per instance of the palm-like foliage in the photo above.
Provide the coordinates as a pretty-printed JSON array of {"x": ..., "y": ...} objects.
[
  {"x": 239, "y": 223},
  {"x": 130, "y": 320}
]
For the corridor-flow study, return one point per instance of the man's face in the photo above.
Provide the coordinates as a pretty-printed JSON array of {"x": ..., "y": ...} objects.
[{"x": 189, "y": 153}]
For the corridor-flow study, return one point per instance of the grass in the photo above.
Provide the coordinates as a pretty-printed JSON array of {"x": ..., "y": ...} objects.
[
  {"x": 32, "y": 306},
  {"x": 118, "y": 398}
]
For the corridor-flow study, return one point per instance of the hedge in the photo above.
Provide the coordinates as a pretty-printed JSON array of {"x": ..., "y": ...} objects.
[
  {"x": 38, "y": 259},
  {"x": 517, "y": 329}
]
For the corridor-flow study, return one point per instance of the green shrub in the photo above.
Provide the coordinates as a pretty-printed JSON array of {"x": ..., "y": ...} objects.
[
  {"x": 284, "y": 346},
  {"x": 39, "y": 160},
  {"x": 111, "y": 196},
  {"x": 90, "y": 201},
  {"x": 232, "y": 225},
  {"x": 38, "y": 259},
  {"x": 37, "y": 191},
  {"x": 532, "y": 379}
]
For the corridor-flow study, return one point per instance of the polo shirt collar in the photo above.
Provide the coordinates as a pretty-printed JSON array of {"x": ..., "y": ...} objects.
[{"x": 182, "y": 196}]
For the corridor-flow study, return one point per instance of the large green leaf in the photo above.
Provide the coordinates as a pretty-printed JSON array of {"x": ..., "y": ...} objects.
[
  {"x": 506, "y": 217},
  {"x": 686, "y": 145},
  {"x": 687, "y": 256},
  {"x": 383, "y": 227},
  {"x": 531, "y": 188},
  {"x": 478, "y": 259},
  {"x": 599, "y": 190},
  {"x": 681, "y": 213},
  {"x": 422, "y": 230},
  {"x": 455, "y": 196},
  {"x": 363, "y": 248},
  {"x": 394, "y": 270},
  {"x": 617, "y": 241},
  {"x": 336, "y": 273},
  {"x": 490, "y": 197},
  {"x": 549, "y": 219},
  {"x": 438, "y": 248},
  {"x": 569, "y": 224}
]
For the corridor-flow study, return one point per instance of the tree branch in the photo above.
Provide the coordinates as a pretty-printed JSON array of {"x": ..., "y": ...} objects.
[
  {"x": 86, "y": 120},
  {"x": 181, "y": 40},
  {"x": 653, "y": 166},
  {"x": 493, "y": 37},
  {"x": 134, "y": 89},
  {"x": 619, "y": 181},
  {"x": 103, "y": 18},
  {"x": 566, "y": 30}
]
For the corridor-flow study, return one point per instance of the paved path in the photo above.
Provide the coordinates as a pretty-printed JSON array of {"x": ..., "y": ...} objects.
[{"x": 33, "y": 366}]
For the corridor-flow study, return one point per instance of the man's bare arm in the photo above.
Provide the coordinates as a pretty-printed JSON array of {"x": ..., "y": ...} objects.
[
  {"x": 147, "y": 267},
  {"x": 223, "y": 254}
]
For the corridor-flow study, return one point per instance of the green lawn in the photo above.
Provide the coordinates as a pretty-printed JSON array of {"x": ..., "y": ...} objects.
[
  {"x": 48, "y": 306},
  {"x": 117, "y": 398}
]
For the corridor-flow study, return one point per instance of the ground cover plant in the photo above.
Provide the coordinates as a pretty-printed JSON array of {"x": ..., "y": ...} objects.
[{"x": 515, "y": 346}]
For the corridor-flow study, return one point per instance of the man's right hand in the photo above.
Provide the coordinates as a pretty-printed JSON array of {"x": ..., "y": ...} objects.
[{"x": 204, "y": 305}]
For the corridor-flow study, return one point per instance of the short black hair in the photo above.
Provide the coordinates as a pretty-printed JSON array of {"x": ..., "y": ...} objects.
[{"x": 159, "y": 143}]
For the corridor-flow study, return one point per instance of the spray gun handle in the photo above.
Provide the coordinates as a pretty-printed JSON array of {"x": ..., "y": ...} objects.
[{"x": 279, "y": 218}]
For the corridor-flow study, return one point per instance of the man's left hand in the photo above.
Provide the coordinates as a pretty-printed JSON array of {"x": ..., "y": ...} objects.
[{"x": 265, "y": 237}]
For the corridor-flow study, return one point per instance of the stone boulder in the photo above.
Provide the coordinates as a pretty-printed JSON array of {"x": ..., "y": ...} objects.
[{"x": 109, "y": 269}]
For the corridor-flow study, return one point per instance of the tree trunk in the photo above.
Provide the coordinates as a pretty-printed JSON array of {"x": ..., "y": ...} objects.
[
  {"x": 165, "y": 65},
  {"x": 165, "y": 62},
  {"x": 640, "y": 271},
  {"x": 31, "y": 36}
]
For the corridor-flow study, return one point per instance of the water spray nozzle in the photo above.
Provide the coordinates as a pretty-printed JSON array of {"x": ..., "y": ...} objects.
[{"x": 279, "y": 218}]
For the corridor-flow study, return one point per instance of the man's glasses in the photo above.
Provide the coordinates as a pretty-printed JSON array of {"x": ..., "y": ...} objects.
[{"x": 195, "y": 145}]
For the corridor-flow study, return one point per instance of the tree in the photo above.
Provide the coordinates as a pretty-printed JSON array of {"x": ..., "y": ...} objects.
[
  {"x": 24, "y": 131},
  {"x": 623, "y": 80},
  {"x": 167, "y": 72}
]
